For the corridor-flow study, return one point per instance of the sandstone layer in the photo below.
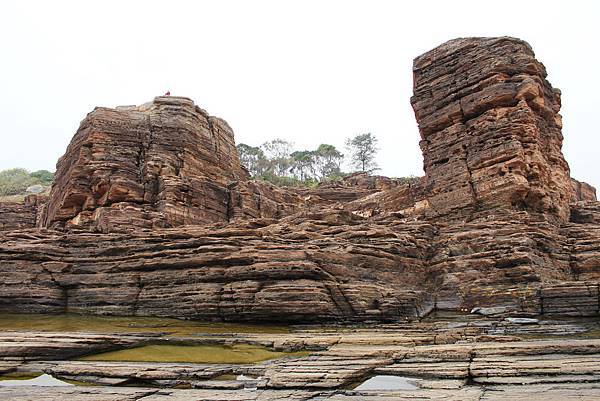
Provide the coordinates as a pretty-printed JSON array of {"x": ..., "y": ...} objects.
[
  {"x": 152, "y": 214},
  {"x": 490, "y": 128},
  {"x": 163, "y": 164},
  {"x": 14, "y": 216}
]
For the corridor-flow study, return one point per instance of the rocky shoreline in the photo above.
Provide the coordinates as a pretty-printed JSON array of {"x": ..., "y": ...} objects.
[
  {"x": 454, "y": 356},
  {"x": 152, "y": 214}
]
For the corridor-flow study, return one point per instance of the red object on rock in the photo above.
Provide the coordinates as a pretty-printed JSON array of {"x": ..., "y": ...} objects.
[{"x": 168, "y": 93}]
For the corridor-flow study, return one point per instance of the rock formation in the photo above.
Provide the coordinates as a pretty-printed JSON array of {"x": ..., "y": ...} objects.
[
  {"x": 163, "y": 164},
  {"x": 490, "y": 129},
  {"x": 14, "y": 216},
  {"x": 152, "y": 214},
  {"x": 461, "y": 357},
  {"x": 306, "y": 267},
  {"x": 582, "y": 191}
]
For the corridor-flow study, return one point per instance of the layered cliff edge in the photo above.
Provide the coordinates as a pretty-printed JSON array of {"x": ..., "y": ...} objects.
[{"x": 151, "y": 213}]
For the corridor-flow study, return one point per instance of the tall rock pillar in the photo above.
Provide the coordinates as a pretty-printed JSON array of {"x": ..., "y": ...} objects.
[{"x": 490, "y": 129}]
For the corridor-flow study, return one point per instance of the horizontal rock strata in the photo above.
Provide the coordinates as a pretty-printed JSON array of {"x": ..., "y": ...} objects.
[
  {"x": 15, "y": 216},
  {"x": 152, "y": 213},
  {"x": 331, "y": 265},
  {"x": 460, "y": 357},
  {"x": 163, "y": 164},
  {"x": 308, "y": 268},
  {"x": 582, "y": 191},
  {"x": 490, "y": 128}
]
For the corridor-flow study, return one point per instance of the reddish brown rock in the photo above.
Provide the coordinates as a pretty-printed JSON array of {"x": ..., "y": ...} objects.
[
  {"x": 329, "y": 266},
  {"x": 352, "y": 187},
  {"x": 582, "y": 191},
  {"x": 162, "y": 164},
  {"x": 14, "y": 216},
  {"x": 490, "y": 129},
  {"x": 490, "y": 223}
]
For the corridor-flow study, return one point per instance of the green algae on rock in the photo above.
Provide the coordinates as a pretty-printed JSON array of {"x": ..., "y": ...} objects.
[
  {"x": 20, "y": 375},
  {"x": 234, "y": 354}
]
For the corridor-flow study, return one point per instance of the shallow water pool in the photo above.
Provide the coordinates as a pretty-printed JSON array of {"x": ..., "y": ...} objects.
[
  {"x": 228, "y": 354},
  {"x": 69, "y": 322},
  {"x": 27, "y": 380}
]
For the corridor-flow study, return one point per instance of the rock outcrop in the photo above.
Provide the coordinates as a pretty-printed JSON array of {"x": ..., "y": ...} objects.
[
  {"x": 163, "y": 164},
  {"x": 582, "y": 191},
  {"x": 152, "y": 214},
  {"x": 307, "y": 267},
  {"x": 14, "y": 216},
  {"x": 490, "y": 129},
  {"x": 449, "y": 357}
]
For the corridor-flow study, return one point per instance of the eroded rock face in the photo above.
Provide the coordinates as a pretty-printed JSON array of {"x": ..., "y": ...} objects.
[
  {"x": 582, "y": 191},
  {"x": 307, "y": 267},
  {"x": 14, "y": 216},
  {"x": 490, "y": 129},
  {"x": 163, "y": 164},
  {"x": 490, "y": 224}
]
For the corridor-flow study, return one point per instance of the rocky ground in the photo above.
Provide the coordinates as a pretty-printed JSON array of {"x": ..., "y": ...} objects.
[{"x": 448, "y": 357}]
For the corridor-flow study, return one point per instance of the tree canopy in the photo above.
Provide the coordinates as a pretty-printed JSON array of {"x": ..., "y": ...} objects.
[
  {"x": 362, "y": 149},
  {"x": 277, "y": 162}
]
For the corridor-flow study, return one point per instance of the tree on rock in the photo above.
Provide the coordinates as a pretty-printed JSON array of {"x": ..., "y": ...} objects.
[
  {"x": 303, "y": 164},
  {"x": 362, "y": 149}
]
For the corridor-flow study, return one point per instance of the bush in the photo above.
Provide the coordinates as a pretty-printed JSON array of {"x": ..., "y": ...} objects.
[
  {"x": 44, "y": 176},
  {"x": 15, "y": 181}
]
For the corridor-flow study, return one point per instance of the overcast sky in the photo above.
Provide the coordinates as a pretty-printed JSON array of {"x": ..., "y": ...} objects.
[{"x": 306, "y": 71}]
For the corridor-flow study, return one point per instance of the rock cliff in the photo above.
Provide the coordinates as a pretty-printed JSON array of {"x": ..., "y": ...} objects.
[
  {"x": 490, "y": 129},
  {"x": 163, "y": 164},
  {"x": 152, "y": 214}
]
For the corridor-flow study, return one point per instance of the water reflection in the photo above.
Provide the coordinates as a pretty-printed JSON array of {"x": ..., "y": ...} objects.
[
  {"x": 385, "y": 382},
  {"x": 41, "y": 380}
]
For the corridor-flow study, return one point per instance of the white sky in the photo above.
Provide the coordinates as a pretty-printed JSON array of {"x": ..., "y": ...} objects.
[{"x": 306, "y": 71}]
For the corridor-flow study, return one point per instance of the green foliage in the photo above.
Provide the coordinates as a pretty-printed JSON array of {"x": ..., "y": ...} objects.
[
  {"x": 286, "y": 181},
  {"x": 302, "y": 164},
  {"x": 278, "y": 153},
  {"x": 363, "y": 149},
  {"x": 275, "y": 162},
  {"x": 254, "y": 159},
  {"x": 328, "y": 160},
  {"x": 411, "y": 179},
  {"x": 45, "y": 176},
  {"x": 15, "y": 181}
]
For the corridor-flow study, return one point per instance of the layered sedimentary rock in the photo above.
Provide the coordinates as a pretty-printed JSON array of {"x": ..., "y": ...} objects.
[
  {"x": 14, "y": 216},
  {"x": 163, "y": 164},
  {"x": 310, "y": 266},
  {"x": 490, "y": 129},
  {"x": 304, "y": 268},
  {"x": 582, "y": 191},
  {"x": 352, "y": 187},
  {"x": 495, "y": 221},
  {"x": 450, "y": 357}
]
